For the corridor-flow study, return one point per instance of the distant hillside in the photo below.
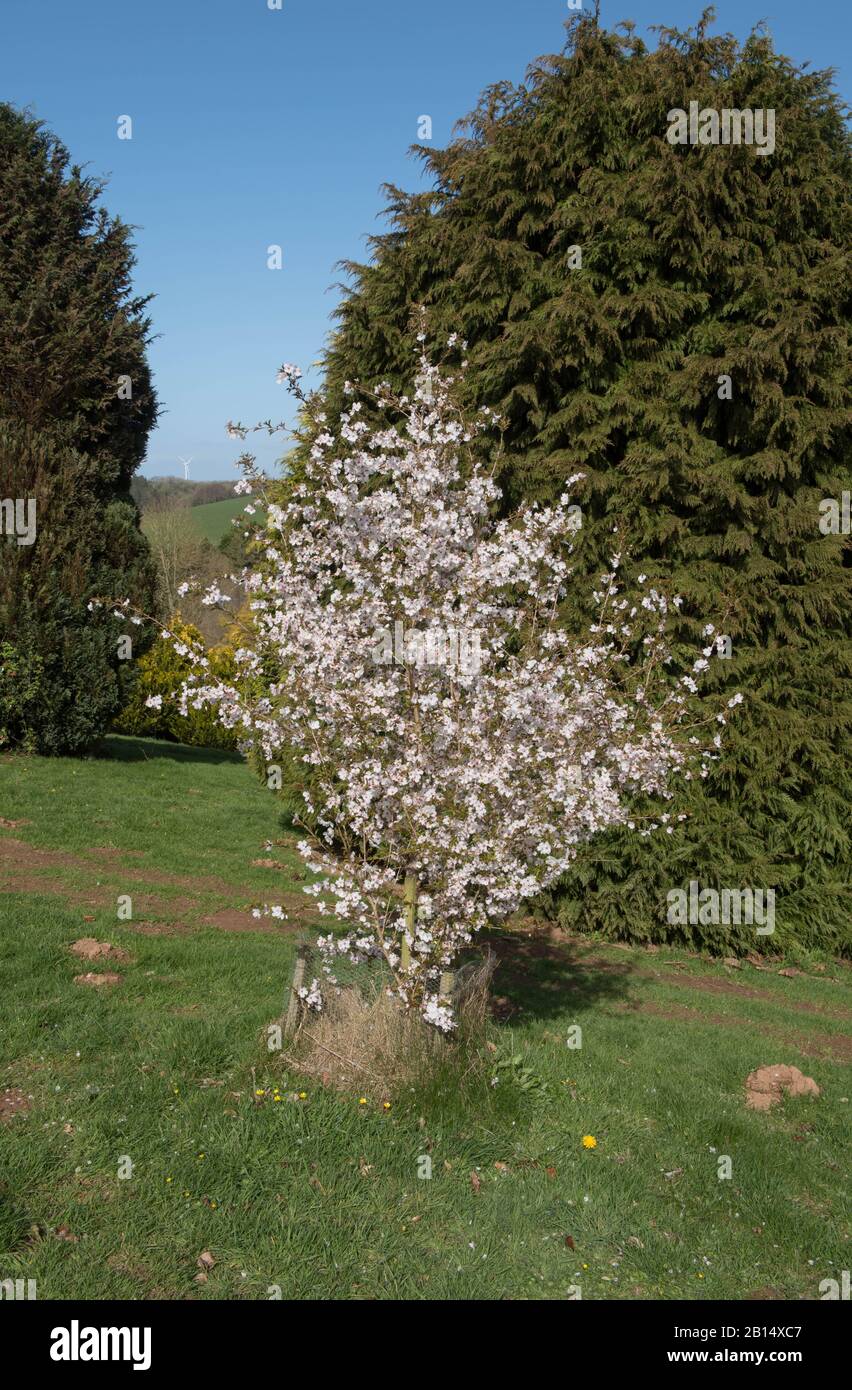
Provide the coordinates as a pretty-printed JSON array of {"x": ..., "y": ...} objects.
[
  {"x": 213, "y": 519},
  {"x": 178, "y": 492}
]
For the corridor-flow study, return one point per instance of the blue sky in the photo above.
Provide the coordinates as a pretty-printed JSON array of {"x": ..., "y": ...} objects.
[{"x": 255, "y": 126}]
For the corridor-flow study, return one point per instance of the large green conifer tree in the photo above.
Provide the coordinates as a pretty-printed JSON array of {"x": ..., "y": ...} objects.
[
  {"x": 76, "y": 406},
  {"x": 697, "y": 263}
]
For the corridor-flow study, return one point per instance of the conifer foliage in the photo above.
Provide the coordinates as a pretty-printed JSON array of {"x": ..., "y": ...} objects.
[
  {"x": 76, "y": 406},
  {"x": 671, "y": 321}
]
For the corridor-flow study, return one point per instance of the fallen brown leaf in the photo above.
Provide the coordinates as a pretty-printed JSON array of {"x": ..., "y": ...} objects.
[{"x": 475, "y": 1182}]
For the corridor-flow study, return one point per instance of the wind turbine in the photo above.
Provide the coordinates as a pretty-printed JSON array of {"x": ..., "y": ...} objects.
[{"x": 186, "y": 463}]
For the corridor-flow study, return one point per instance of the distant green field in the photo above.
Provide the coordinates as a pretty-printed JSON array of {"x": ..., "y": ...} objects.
[{"x": 213, "y": 519}]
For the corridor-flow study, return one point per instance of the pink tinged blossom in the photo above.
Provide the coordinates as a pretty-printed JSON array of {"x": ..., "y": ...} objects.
[{"x": 458, "y": 776}]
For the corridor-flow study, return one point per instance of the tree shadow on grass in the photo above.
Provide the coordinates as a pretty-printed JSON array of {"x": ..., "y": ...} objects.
[
  {"x": 125, "y": 749},
  {"x": 540, "y": 974}
]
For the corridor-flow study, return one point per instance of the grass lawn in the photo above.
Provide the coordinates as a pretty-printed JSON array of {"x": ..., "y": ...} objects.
[{"x": 320, "y": 1197}]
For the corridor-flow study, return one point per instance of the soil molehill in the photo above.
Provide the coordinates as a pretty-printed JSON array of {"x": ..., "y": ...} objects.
[
  {"x": 764, "y": 1087},
  {"x": 87, "y": 948}
]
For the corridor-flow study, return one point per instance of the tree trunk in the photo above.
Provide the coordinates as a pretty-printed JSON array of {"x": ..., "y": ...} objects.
[{"x": 410, "y": 912}]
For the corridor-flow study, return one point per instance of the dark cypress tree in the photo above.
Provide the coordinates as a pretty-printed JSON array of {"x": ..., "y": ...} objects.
[
  {"x": 697, "y": 263},
  {"x": 76, "y": 407}
]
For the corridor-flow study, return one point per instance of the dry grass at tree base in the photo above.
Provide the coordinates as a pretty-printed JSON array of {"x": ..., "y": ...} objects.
[{"x": 365, "y": 1040}]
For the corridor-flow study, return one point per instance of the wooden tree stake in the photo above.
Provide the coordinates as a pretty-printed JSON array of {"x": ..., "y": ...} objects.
[
  {"x": 293, "y": 1002},
  {"x": 410, "y": 910}
]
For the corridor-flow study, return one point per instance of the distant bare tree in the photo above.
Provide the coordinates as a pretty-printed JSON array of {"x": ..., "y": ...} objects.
[{"x": 182, "y": 555}]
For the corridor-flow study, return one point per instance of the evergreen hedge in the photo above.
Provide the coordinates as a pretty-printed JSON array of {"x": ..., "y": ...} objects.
[
  {"x": 76, "y": 406},
  {"x": 697, "y": 263}
]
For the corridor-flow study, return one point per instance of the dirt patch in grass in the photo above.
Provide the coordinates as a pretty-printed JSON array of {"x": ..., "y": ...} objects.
[
  {"x": 97, "y": 981},
  {"x": 93, "y": 1189},
  {"x": 678, "y": 1013},
  {"x": 518, "y": 948},
  {"x": 16, "y": 855},
  {"x": 128, "y": 1265},
  {"x": 232, "y": 919},
  {"x": 152, "y": 905},
  {"x": 12, "y": 1102},
  {"x": 25, "y": 868},
  {"x": 732, "y": 987},
  {"x": 160, "y": 928},
  {"x": 103, "y": 897},
  {"x": 834, "y": 1046},
  {"x": 837, "y": 1046},
  {"x": 110, "y": 852}
]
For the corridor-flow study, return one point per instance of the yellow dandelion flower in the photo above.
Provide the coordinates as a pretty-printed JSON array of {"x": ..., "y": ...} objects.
[
  {"x": 386, "y": 1105},
  {"x": 362, "y": 1100},
  {"x": 259, "y": 1093},
  {"x": 276, "y": 1098},
  {"x": 169, "y": 1179},
  {"x": 589, "y": 1141},
  {"x": 303, "y": 1095}
]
